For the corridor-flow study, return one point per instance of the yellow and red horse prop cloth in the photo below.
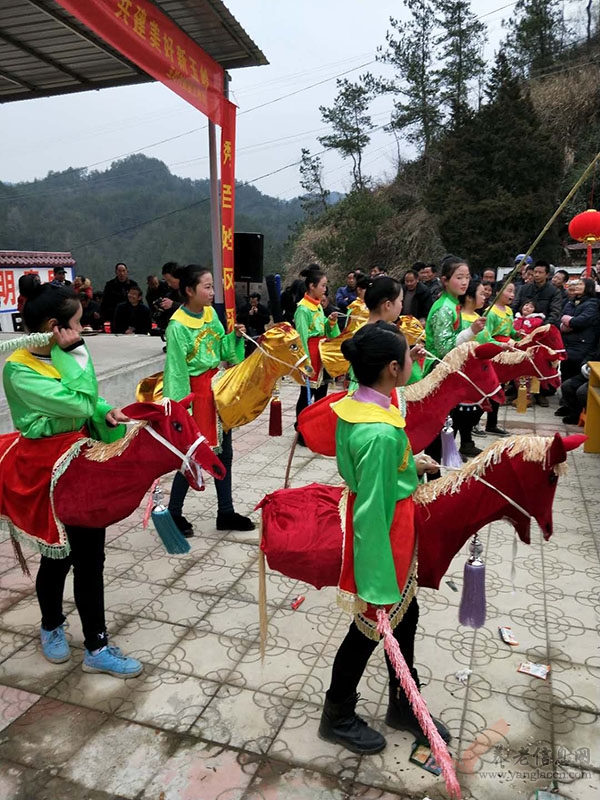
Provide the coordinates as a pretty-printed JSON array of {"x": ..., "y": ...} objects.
[{"x": 242, "y": 392}]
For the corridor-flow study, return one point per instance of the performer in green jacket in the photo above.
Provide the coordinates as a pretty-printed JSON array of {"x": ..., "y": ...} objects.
[
  {"x": 379, "y": 558},
  {"x": 444, "y": 330},
  {"x": 312, "y": 325},
  {"x": 196, "y": 345},
  {"x": 52, "y": 393}
]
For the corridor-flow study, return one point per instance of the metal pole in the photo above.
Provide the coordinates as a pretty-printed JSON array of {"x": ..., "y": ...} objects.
[{"x": 215, "y": 221}]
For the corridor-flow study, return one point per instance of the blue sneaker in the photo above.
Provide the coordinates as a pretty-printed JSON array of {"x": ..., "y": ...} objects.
[
  {"x": 55, "y": 646},
  {"x": 112, "y": 661}
]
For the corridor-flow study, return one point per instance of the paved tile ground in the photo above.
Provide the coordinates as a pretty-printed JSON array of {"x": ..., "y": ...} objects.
[{"x": 207, "y": 720}]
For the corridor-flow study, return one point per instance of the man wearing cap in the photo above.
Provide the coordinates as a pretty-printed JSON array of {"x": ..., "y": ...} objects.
[{"x": 60, "y": 277}]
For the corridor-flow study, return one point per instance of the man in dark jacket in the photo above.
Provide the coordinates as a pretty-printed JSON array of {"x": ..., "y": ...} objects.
[
  {"x": 546, "y": 297},
  {"x": 115, "y": 291},
  {"x": 346, "y": 294},
  {"x": 417, "y": 297},
  {"x": 132, "y": 316}
]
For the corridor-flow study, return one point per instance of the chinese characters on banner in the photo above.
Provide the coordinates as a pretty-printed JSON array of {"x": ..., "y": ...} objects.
[
  {"x": 148, "y": 38},
  {"x": 227, "y": 211}
]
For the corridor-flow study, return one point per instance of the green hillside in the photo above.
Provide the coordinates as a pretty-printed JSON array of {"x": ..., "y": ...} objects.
[{"x": 136, "y": 212}]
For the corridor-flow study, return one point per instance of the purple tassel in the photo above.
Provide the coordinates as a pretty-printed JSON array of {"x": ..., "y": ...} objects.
[
  {"x": 472, "y": 602},
  {"x": 450, "y": 455}
]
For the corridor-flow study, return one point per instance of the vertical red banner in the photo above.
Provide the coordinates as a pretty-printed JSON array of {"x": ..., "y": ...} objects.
[{"x": 228, "y": 208}]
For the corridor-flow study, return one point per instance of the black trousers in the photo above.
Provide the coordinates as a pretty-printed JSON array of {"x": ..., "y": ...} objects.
[
  {"x": 492, "y": 417},
  {"x": 356, "y": 649},
  {"x": 87, "y": 559},
  {"x": 574, "y": 394},
  {"x": 180, "y": 486},
  {"x": 316, "y": 394}
]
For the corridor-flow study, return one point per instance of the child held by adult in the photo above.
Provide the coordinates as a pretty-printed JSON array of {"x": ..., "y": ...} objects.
[{"x": 379, "y": 561}]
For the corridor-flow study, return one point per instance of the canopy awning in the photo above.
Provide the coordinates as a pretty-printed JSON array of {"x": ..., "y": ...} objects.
[{"x": 44, "y": 51}]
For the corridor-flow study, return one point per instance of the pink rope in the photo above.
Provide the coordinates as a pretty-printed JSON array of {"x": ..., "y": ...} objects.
[
  {"x": 149, "y": 505},
  {"x": 418, "y": 704}
]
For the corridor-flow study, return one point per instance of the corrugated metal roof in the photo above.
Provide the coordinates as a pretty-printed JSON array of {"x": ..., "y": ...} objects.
[
  {"x": 35, "y": 258},
  {"x": 45, "y": 51}
]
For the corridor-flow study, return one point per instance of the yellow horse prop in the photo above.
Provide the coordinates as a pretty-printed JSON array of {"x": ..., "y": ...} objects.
[{"x": 243, "y": 392}]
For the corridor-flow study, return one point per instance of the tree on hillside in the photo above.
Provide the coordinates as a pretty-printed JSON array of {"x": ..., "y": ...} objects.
[
  {"x": 498, "y": 178},
  {"x": 351, "y": 125},
  {"x": 537, "y": 34},
  {"x": 314, "y": 202},
  {"x": 461, "y": 46},
  {"x": 410, "y": 50}
]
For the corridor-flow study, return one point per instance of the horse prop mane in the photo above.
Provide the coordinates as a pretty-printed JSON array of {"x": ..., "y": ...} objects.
[{"x": 513, "y": 479}]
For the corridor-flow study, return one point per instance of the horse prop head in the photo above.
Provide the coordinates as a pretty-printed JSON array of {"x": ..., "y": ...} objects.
[
  {"x": 547, "y": 335},
  {"x": 537, "y": 502},
  {"x": 170, "y": 424},
  {"x": 536, "y": 361},
  {"x": 283, "y": 346}
]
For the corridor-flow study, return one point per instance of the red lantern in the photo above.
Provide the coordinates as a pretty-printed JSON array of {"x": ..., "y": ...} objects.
[{"x": 585, "y": 227}]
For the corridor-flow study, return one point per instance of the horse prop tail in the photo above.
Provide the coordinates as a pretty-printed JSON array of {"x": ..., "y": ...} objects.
[{"x": 418, "y": 704}]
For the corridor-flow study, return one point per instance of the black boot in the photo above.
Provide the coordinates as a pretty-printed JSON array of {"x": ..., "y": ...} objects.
[
  {"x": 401, "y": 716},
  {"x": 341, "y": 725}
]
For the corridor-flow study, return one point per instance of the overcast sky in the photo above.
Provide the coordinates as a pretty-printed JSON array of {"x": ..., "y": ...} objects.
[{"x": 308, "y": 42}]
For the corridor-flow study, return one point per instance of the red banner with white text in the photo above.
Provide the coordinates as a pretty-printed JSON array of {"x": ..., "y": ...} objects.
[
  {"x": 140, "y": 31},
  {"x": 228, "y": 210}
]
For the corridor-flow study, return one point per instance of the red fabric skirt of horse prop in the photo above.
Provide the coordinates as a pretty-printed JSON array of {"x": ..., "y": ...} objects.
[
  {"x": 73, "y": 480},
  {"x": 466, "y": 375},
  {"x": 302, "y": 534}
]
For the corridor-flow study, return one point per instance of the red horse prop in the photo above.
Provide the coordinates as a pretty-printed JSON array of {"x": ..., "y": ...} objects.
[
  {"x": 70, "y": 479},
  {"x": 465, "y": 375},
  {"x": 513, "y": 479}
]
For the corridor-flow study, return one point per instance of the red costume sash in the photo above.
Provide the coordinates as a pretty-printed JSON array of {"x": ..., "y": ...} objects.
[
  {"x": 315, "y": 359},
  {"x": 204, "y": 410}
]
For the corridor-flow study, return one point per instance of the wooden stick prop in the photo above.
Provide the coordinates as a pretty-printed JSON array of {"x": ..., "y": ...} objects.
[{"x": 544, "y": 230}]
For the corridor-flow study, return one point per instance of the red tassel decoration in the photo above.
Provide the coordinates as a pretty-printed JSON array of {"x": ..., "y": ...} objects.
[
  {"x": 472, "y": 603},
  {"x": 275, "y": 414}
]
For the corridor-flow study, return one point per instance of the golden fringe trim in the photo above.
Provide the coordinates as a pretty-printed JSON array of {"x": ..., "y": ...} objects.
[
  {"x": 368, "y": 627},
  {"x": 511, "y": 357},
  {"x": 347, "y": 601},
  {"x": 534, "y": 336},
  {"x": 37, "y": 545},
  {"x": 101, "y": 452},
  {"x": 453, "y": 362},
  {"x": 532, "y": 448}
]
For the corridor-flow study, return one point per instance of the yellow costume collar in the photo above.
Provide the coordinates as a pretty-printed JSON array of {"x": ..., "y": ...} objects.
[
  {"x": 309, "y": 302},
  {"x": 354, "y": 411},
  {"x": 193, "y": 320},
  {"x": 33, "y": 362}
]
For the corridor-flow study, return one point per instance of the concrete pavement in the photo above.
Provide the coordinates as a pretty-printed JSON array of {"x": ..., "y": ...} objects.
[{"x": 207, "y": 720}]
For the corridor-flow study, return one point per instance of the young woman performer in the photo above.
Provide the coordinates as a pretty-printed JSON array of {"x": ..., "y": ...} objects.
[
  {"x": 444, "y": 330},
  {"x": 52, "y": 392},
  {"x": 379, "y": 560},
  {"x": 312, "y": 325},
  {"x": 196, "y": 344}
]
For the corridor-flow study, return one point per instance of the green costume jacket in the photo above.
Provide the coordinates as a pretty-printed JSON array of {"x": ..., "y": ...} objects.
[
  {"x": 310, "y": 321},
  {"x": 500, "y": 323},
  {"x": 56, "y": 394},
  {"x": 195, "y": 344},
  {"x": 375, "y": 460}
]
